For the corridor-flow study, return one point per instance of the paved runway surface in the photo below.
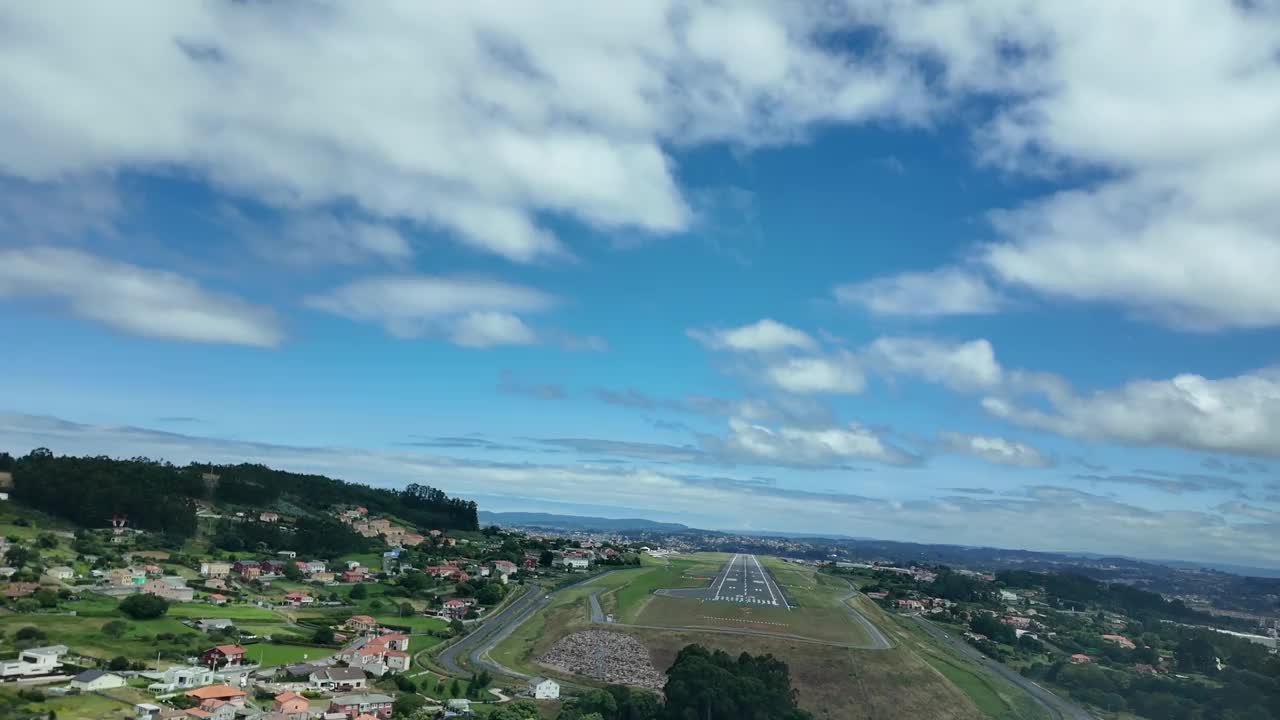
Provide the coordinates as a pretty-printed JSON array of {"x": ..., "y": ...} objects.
[{"x": 743, "y": 581}]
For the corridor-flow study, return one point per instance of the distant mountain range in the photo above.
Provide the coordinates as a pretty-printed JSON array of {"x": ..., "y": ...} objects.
[{"x": 576, "y": 522}]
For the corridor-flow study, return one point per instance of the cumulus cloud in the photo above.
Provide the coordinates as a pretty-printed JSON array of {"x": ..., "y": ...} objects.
[
  {"x": 946, "y": 291},
  {"x": 323, "y": 238},
  {"x": 1040, "y": 517},
  {"x": 1239, "y": 414},
  {"x": 811, "y": 446},
  {"x": 477, "y": 120},
  {"x": 134, "y": 300},
  {"x": 964, "y": 366},
  {"x": 1180, "y": 225},
  {"x": 765, "y": 335},
  {"x": 471, "y": 312},
  {"x": 996, "y": 450},
  {"x": 838, "y": 373}
]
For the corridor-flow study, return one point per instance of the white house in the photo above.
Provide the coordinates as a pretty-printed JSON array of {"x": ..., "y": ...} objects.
[
  {"x": 34, "y": 661},
  {"x": 95, "y": 680},
  {"x": 180, "y": 678},
  {"x": 60, "y": 572},
  {"x": 215, "y": 569},
  {"x": 573, "y": 563},
  {"x": 544, "y": 689}
]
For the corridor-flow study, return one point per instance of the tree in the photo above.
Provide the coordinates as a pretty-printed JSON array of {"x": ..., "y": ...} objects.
[
  {"x": 18, "y": 556},
  {"x": 46, "y": 597},
  {"x": 716, "y": 686},
  {"x": 406, "y": 705},
  {"x": 455, "y": 688},
  {"x": 144, "y": 607},
  {"x": 292, "y": 572},
  {"x": 29, "y": 632},
  {"x": 404, "y": 684},
  {"x": 1196, "y": 654},
  {"x": 407, "y": 610},
  {"x": 118, "y": 663},
  {"x": 115, "y": 629},
  {"x": 491, "y": 594},
  {"x": 457, "y": 627},
  {"x": 546, "y": 558},
  {"x": 518, "y": 710},
  {"x": 47, "y": 541},
  {"x": 323, "y": 636},
  {"x": 359, "y": 592}
]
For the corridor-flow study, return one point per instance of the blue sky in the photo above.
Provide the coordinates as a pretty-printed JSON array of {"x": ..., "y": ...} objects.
[{"x": 925, "y": 272}]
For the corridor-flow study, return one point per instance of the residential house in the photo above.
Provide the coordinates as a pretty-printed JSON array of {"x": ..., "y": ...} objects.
[
  {"x": 298, "y": 598},
  {"x": 362, "y": 624},
  {"x": 272, "y": 567},
  {"x": 60, "y": 572},
  {"x": 34, "y": 661},
  {"x": 344, "y": 679},
  {"x": 217, "y": 599},
  {"x": 179, "y": 678},
  {"x": 391, "y": 560},
  {"x": 215, "y": 709},
  {"x": 573, "y": 562},
  {"x": 455, "y": 608},
  {"x": 314, "y": 566},
  {"x": 215, "y": 569},
  {"x": 1016, "y": 621},
  {"x": 95, "y": 680},
  {"x": 1120, "y": 640},
  {"x": 504, "y": 567},
  {"x": 20, "y": 590},
  {"x": 354, "y": 576},
  {"x": 216, "y": 584},
  {"x": 222, "y": 656},
  {"x": 381, "y": 525},
  {"x": 153, "y": 571},
  {"x": 1080, "y": 659},
  {"x": 322, "y": 577},
  {"x": 292, "y": 706},
  {"x": 269, "y": 517},
  {"x": 352, "y": 706},
  {"x": 544, "y": 689},
  {"x": 225, "y": 693},
  {"x": 168, "y": 590},
  {"x": 459, "y": 706},
  {"x": 412, "y": 539},
  {"x": 378, "y": 655},
  {"x": 127, "y": 577}
]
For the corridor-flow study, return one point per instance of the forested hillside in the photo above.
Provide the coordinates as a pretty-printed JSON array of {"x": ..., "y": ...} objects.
[{"x": 161, "y": 497}]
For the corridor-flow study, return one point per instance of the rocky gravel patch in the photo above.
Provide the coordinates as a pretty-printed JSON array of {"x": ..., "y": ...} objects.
[{"x": 612, "y": 657}]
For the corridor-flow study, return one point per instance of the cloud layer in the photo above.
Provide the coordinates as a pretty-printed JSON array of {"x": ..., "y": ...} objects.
[{"x": 135, "y": 300}]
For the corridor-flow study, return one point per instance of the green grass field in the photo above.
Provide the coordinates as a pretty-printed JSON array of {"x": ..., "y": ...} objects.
[
  {"x": 119, "y": 704},
  {"x": 199, "y": 611},
  {"x": 272, "y": 654}
]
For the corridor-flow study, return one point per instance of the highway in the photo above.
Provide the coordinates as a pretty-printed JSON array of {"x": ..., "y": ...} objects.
[{"x": 1057, "y": 707}]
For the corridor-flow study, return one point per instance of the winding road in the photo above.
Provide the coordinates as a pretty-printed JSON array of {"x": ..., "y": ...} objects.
[{"x": 1058, "y": 708}]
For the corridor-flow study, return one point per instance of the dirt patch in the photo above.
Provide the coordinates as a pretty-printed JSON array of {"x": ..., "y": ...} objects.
[{"x": 611, "y": 657}]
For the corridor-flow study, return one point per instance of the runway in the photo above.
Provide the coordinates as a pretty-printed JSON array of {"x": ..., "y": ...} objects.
[{"x": 745, "y": 581}]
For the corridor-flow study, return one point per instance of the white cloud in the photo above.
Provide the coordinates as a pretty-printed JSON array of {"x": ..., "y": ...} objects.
[
  {"x": 764, "y": 336},
  {"x": 962, "y": 366},
  {"x": 834, "y": 374},
  {"x": 996, "y": 450},
  {"x": 135, "y": 300},
  {"x": 1179, "y": 135},
  {"x": 810, "y": 446},
  {"x": 471, "y": 311},
  {"x": 947, "y": 291},
  {"x": 1239, "y": 414},
  {"x": 477, "y": 120},
  {"x": 487, "y": 329}
]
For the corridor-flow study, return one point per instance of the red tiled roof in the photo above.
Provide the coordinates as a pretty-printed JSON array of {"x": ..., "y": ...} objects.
[
  {"x": 215, "y": 692},
  {"x": 230, "y": 649}
]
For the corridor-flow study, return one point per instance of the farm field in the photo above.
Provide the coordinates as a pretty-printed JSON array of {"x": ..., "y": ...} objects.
[
  {"x": 85, "y": 634},
  {"x": 116, "y": 704},
  {"x": 199, "y": 611}
]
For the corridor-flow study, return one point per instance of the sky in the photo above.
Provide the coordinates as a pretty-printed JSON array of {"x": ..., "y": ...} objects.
[{"x": 966, "y": 272}]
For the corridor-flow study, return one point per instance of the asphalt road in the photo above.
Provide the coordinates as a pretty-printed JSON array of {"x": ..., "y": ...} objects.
[
  {"x": 496, "y": 628},
  {"x": 1057, "y": 707}
]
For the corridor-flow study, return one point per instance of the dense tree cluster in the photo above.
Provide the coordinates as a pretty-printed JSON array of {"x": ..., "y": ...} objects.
[
  {"x": 90, "y": 491},
  {"x": 1078, "y": 592},
  {"x": 160, "y": 497}
]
